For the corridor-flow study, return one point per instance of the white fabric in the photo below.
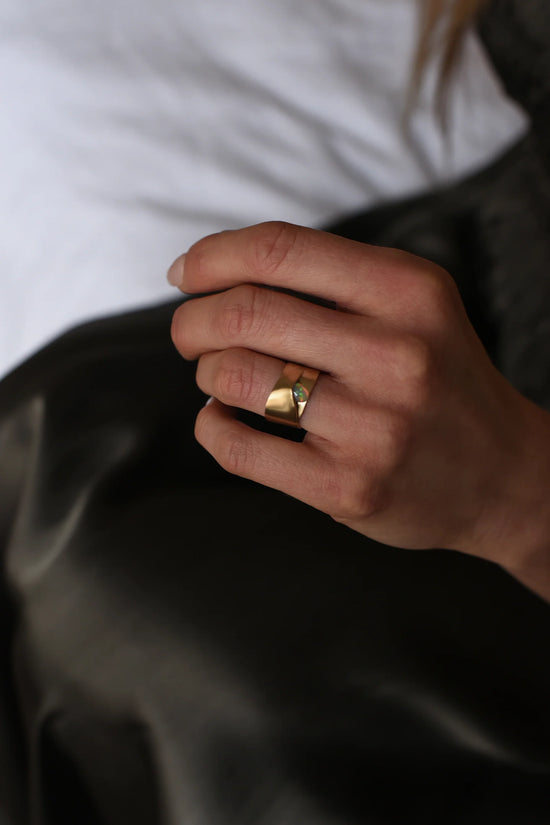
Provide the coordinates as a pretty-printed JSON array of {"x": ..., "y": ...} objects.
[{"x": 130, "y": 129}]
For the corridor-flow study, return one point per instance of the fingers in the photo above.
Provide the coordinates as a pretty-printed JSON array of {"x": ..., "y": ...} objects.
[
  {"x": 269, "y": 322},
  {"x": 313, "y": 471},
  {"x": 383, "y": 438},
  {"x": 296, "y": 469},
  {"x": 244, "y": 379},
  {"x": 358, "y": 277},
  {"x": 378, "y": 366}
]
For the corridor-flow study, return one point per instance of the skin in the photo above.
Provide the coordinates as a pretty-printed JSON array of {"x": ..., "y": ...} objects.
[{"x": 413, "y": 437}]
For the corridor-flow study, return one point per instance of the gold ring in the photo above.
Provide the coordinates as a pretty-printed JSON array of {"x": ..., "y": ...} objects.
[{"x": 288, "y": 398}]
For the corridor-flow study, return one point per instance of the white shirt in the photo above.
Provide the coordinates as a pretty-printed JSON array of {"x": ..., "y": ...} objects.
[{"x": 131, "y": 129}]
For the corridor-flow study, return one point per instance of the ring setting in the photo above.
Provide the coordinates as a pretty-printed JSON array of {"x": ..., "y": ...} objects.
[{"x": 289, "y": 397}]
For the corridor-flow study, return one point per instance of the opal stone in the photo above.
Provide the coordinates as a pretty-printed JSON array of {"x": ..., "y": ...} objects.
[{"x": 299, "y": 392}]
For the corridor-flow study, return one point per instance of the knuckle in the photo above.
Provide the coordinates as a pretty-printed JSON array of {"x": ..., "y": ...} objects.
[
  {"x": 239, "y": 311},
  {"x": 395, "y": 442},
  {"x": 275, "y": 242},
  {"x": 356, "y": 497},
  {"x": 438, "y": 290},
  {"x": 417, "y": 372},
  {"x": 234, "y": 453},
  {"x": 235, "y": 379}
]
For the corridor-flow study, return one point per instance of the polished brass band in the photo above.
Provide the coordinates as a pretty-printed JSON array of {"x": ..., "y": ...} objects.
[{"x": 281, "y": 406}]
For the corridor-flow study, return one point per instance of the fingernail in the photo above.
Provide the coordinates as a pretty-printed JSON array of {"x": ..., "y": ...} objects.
[{"x": 174, "y": 275}]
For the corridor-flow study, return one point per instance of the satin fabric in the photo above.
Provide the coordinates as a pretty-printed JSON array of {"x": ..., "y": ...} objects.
[{"x": 191, "y": 647}]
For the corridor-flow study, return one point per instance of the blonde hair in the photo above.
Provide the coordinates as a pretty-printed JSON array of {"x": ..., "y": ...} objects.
[{"x": 443, "y": 26}]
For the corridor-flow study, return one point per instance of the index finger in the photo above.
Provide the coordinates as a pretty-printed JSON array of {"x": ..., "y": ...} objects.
[{"x": 356, "y": 276}]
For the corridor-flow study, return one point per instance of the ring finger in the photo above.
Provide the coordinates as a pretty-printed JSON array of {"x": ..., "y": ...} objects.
[{"x": 243, "y": 378}]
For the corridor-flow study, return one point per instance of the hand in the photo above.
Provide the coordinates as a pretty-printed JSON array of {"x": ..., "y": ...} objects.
[{"x": 413, "y": 437}]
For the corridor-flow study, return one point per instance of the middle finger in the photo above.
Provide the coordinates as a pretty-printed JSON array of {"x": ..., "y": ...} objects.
[{"x": 269, "y": 322}]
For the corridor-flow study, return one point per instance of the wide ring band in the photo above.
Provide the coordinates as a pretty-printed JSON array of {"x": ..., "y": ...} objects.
[{"x": 288, "y": 398}]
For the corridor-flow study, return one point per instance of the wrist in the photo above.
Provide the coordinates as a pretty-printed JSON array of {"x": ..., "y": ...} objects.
[{"x": 515, "y": 532}]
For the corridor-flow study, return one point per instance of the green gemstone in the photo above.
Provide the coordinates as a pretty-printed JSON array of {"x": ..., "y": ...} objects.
[{"x": 299, "y": 393}]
